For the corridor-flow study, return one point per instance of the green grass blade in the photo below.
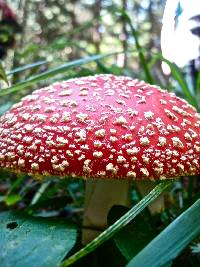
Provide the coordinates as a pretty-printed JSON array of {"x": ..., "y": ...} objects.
[
  {"x": 27, "y": 67},
  {"x": 143, "y": 63},
  {"x": 3, "y": 75},
  {"x": 178, "y": 76},
  {"x": 197, "y": 85},
  {"x": 170, "y": 242},
  {"x": 53, "y": 72},
  {"x": 124, "y": 220},
  {"x": 40, "y": 192},
  {"x": 17, "y": 183}
]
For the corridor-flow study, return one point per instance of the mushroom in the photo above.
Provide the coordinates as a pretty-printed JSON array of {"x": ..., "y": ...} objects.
[{"x": 106, "y": 129}]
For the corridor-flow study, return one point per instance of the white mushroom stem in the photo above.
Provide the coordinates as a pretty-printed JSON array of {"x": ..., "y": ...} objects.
[
  {"x": 101, "y": 195},
  {"x": 144, "y": 187}
]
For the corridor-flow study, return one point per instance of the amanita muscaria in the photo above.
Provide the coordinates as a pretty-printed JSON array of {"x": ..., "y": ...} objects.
[{"x": 106, "y": 129}]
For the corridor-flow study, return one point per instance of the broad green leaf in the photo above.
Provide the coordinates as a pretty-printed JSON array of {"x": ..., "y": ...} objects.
[
  {"x": 119, "y": 224},
  {"x": 33, "y": 242},
  {"x": 3, "y": 74},
  {"x": 138, "y": 233},
  {"x": 170, "y": 242},
  {"x": 53, "y": 72}
]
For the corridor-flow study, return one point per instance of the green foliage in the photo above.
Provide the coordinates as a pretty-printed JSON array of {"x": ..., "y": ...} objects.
[
  {"x": 12, "y": 199},
  {"x": 3, "y": 74},
  {"x": 169, "y": 243},
  {"x": 178, "y": 76},
  {"x": 27, "y": 241},
  {"x": 143, "y": 62},
  {"x": 50, "y": 73},
  {"x": 119, "y": 224},
  {"x": 139, "y": 232}
]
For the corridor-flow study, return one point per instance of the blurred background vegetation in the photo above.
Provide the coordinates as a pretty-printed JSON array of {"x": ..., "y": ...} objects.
[
  {"x": 59, "y": 40},
  {"x": 60, "y": 31}
]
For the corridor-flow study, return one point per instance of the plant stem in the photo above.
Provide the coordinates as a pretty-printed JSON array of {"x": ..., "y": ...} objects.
[{"x": 124, "y": 220}]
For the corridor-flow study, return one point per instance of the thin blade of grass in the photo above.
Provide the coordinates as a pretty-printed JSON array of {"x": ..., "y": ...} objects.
[
  {"x": 3, "y": 75},
  {"x": 119, "y": 224},
  {"x": 170, "y": 242},
  {"x": 197, "y": 85},
  {"x": 178, "y": 76},
  {"x": 27, "y": 67},
  {"x": 53, "y": 72},
  {"x": 40, "y": 192},
  {"x": 143, "y": 63}
]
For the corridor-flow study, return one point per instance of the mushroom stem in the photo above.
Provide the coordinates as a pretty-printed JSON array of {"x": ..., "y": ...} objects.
[
  {"x": 144, "y": 187},
  {"x": 100, "y": 196}
]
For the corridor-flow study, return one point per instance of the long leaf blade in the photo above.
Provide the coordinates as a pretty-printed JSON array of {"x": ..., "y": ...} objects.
[
  {"x": 3, "y": 73},
  {"x": 170, "y": 242},
  {"x": 179, "y": 78},
  {"x": 143, "y": 62},
  {"x": 27, "y": 67}
]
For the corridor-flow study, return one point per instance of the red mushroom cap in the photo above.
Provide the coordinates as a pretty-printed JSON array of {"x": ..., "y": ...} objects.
[{"x": 101, "y": 126}]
